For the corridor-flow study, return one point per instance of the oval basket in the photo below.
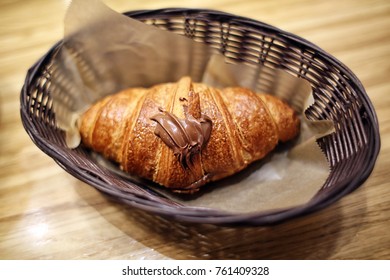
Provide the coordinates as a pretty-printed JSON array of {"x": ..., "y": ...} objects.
[{"x": 339, "y": 96}]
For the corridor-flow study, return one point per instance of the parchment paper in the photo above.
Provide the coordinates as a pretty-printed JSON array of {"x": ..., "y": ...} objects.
[{"x": 104, "y": 52}]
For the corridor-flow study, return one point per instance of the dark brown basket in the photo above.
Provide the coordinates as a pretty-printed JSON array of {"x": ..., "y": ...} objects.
[{"x": 339, "y": 96}]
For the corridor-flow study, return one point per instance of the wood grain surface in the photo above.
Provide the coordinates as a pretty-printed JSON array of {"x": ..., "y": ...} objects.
[{"x": 45, "y": 213}]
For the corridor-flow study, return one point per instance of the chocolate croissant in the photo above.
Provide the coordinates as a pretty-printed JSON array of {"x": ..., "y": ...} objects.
[{"x": 185, "y": 134}]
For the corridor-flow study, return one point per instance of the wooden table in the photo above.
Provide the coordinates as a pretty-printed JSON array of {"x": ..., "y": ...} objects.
[{"x": 45, "y": 213}]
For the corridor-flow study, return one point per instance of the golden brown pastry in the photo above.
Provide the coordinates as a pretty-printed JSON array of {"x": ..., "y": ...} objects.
[{"x": 185, "y": 134}]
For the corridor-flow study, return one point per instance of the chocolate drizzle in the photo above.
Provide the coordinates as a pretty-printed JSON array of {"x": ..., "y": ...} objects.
[{"x": 186, "y": 137}]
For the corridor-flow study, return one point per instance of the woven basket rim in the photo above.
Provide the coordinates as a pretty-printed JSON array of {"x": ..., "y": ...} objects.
[{"x": 195, "y": 214}]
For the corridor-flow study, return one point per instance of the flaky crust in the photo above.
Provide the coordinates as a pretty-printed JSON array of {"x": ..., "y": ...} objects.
[{"x": 245, "y": 127}]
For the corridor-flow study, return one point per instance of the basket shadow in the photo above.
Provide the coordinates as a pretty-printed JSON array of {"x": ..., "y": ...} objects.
[{"x": 316, "y": 236}]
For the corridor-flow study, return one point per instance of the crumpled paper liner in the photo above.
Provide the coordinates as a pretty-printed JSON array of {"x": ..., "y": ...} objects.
[{"x": 104, "y": 52}]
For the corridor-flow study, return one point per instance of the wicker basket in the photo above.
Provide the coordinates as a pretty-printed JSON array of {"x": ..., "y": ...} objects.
[{"x": 339, "y": 96}]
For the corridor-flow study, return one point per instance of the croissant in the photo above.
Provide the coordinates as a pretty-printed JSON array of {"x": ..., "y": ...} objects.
[{"x": 183, "y": 135}]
